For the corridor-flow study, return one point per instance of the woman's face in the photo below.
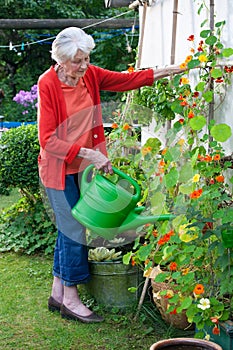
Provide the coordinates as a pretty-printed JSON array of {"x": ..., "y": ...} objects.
[{"x": 77, "y": 67}]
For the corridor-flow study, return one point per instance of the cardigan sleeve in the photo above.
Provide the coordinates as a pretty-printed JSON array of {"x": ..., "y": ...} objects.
[{"x": 118, "y": 81}]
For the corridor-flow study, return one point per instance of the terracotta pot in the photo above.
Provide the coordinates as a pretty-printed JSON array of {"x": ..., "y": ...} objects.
[{"x": 185, "y": 344}]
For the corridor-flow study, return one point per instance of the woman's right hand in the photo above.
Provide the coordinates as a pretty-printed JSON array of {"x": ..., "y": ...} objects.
[{"x": 98, "y": 159}]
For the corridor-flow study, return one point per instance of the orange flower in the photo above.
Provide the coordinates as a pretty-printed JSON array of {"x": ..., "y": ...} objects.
[
  {"x": 184, "y": 103},
  {"x": 184, "y": 81},
  {"x": 217, "y": 156},
  {"x": 196, "y": 194},
  {"x": 183, "y": 65},
  {"x": 188, "y": 58},
  {"x": 126, "y": 126},
  {"x": 114, "y": 126},
  {"x": 216, "y": 330},
  {"x": 173, "y": 266},
  {"x": 191, "y": 38},
  {"x": 171, "y": 233},
  {"x": 155, "y": 233},
  {"x": 162, "y": 162},
  {"x": 195, "y": 94},
  {"x": 130, "y": 69},
  {"x": 181, "y": 120},
  {"x": 219, "y": 178},
  {"x": 214, "y": 319},
  {"x": 199, "y": 289},
  {"x": 174, "y": 312},
  {"x": 164, "y": 151},
  {"x": 146, "y": 150},
  {"x": 133, "y": 262},
  {"x": 219, "y": 80},
  {"x": 164, "y": 239},
  {"x": 190, "y": 114},
  {"x": 207, "y": 158}
]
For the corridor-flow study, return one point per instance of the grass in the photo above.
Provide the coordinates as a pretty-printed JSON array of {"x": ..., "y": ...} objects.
[
  {"x": 25, "y": 322},
  {"x": 7, "y": 201}
]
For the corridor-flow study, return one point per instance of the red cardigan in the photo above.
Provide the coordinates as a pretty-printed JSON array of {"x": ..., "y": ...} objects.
[{"x": 55, "y": 151}]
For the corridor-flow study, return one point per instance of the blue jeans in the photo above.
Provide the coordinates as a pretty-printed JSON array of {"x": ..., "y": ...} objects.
[{"x": 70, "y": 254}]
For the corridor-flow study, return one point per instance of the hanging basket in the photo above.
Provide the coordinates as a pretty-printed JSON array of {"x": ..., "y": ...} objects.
[{"x": 178, "y": 320}]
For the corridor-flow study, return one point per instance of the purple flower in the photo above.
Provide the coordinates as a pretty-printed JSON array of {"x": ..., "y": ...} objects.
[{"x": 27, "y": 98}]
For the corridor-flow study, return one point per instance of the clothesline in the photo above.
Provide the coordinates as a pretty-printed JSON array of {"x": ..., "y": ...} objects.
[{"x": 22, "y": 44}]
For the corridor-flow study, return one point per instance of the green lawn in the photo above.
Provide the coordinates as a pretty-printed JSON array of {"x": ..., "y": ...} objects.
[
  {"x": 25, "y": 322},
  {"x": 6, "y": 201}
]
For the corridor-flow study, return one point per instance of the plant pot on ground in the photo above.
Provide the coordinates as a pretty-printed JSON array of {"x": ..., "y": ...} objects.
[{"x": 111, "y": 279}]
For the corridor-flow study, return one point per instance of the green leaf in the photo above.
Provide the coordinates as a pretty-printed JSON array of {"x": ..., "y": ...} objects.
[
  {"x": 208, "y": 96},
  {"x": 227, "y": 52},
  {"x": 176, "y": 107},
  {"x": 186, "y": 172},
  {"x": 193, "y": 64},
  {"x": 200, "y": 86},
  {"x": 205, "y": 33},
  {"x": 126, "y": 258},
  {"x": 216, "y": 73},
  {"x": 171, "y": 178},
  {"x": 186, "y": 188},
  {"x": 221, "y": 132},
  {"x": 211, "y": 40},
  {"x": 157, "y": 202},
  {"x": 197, "y": 122},
  {"x": 144, "y": 251}
]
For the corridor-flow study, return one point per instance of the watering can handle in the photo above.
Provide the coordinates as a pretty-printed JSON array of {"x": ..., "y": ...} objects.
[{"x": 84, "y": 182}]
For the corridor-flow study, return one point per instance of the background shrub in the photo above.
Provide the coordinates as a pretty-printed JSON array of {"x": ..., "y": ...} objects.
[
  {"x": 18, "y": 160},
  {"x": 26, "y": 226}
]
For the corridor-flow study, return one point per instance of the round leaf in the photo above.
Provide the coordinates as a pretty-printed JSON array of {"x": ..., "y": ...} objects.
[
  {"x": 198, "y": 122},
  {"x": 221, "y": 132}
]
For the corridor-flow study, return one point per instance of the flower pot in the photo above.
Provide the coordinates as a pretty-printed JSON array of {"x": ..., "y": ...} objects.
[
  {"x": 225, "y": 338},
  {"x": 185, "y": 344},
  {"x": 178, "y": 320},
  {"x": 110, "y": 281}
]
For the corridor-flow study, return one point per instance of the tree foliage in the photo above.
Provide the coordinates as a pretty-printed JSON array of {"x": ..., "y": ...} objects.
[{"x": 21, "y": 66}]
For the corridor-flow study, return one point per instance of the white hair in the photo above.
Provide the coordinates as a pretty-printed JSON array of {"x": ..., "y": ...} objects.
[{"x": 68, "y": 42}]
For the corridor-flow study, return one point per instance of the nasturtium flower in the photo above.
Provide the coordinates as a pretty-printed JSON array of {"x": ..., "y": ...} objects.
[
  {"x": 183, "y": 65},
  {"x": 173, "y": 266},
  {"x": 199, "y": 289},
  {"x": 196, "y": 178},
  {"x": 188, "y": 58},
  {"x": 146, "y": 150},
  {"x": 191, "y": 38},
  {"x": 203, "y": 58},
  {"x": 216, "y": 330},
  {"x": 181, "y": 142},
  {"x": 219, "y": 178},
  {"x": 114, "y": 126},
  {"x": 130, "y": 69},
  {"x": 217, "y": 156},
  {"x": 190, "y": 114},
  {"x": 196, "y": 194},
  {"x": 204, "y": 304},
  {"x": 184, "y": 80},
  {"x": 126, "y": 126}
]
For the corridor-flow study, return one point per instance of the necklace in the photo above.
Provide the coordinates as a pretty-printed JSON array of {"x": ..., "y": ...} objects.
[{"x": 66, "y": 79}]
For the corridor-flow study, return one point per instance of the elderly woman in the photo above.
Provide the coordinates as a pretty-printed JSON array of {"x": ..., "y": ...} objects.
[{"x": 71, "y": 136}]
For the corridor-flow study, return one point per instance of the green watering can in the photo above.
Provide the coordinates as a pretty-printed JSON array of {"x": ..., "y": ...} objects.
[{"x": 108, "y": 208}]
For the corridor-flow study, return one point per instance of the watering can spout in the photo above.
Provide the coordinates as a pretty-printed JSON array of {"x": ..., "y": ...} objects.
[{"x": 135, "y": 220}]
